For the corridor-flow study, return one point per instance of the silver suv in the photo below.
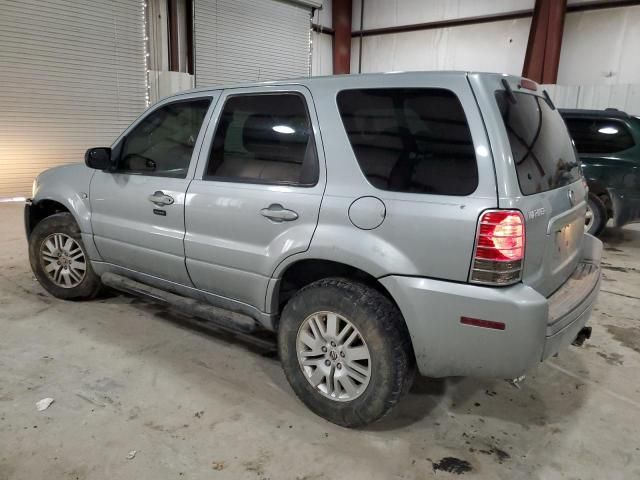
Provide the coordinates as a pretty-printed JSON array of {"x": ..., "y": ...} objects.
[{"x": 377, "y": 223}]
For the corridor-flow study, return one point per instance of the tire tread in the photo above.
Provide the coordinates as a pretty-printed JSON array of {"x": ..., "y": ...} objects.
[
  {"x": 393, "y": 328},
  {"x": 62, "y": 222}
]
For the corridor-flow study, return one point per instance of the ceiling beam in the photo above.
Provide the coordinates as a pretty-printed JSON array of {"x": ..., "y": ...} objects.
[{"x": 497, "y": 17}]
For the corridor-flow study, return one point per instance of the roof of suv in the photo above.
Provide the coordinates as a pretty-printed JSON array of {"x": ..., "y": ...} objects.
[
  {"x": 310, "y": 81},
  {"x": 607, "y": 112}
]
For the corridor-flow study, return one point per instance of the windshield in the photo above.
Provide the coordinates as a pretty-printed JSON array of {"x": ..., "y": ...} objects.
[{"x": 543, "y": 154}]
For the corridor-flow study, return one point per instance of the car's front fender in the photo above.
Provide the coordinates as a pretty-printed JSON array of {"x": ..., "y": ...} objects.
[{"x": 68, "y": 185}]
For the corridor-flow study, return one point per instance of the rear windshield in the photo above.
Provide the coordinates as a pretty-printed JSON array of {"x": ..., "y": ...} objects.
[
  {"x": 412, "y": 140},
  {"x": 542, "y": 150}
]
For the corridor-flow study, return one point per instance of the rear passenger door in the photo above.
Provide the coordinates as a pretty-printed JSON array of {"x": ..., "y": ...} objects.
[{"x": 256, "y": 195}]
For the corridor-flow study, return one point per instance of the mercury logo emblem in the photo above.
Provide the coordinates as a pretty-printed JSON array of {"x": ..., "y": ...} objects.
[
  {"x": 333, "y": 355},
  {"x": 572, "y": 197}
]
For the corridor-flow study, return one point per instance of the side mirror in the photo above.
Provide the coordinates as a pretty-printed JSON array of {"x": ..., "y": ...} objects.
[{"x": 98, "y": 158}]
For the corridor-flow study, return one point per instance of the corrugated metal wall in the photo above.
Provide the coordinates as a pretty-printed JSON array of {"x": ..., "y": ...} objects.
[
  {"x": 599, "y": 47},
  {"x": 250, "y": 40},
  {"x": 622, "y": 97},
  {"x": 492, "y": 47},
  {"x": 72, "y": 76}
]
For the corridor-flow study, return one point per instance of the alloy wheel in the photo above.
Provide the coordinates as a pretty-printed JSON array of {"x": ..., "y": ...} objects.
[
  {"x": 333, "y": 356},
  {"x": 588, "y": 219},
  {"x": 63, "y": 260}
]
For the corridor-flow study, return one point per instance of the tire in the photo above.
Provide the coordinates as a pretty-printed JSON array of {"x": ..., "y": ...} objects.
[
  {"x": 596, "y": 215},
  {"x": 60, "y": 233},
  {"x": 382, "y": 332}
]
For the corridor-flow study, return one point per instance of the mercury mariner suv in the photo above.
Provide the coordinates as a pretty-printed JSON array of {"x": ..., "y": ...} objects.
[{"x": 379, "y": 224}]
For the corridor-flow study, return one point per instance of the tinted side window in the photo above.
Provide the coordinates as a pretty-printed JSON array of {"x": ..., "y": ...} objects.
[
  {"x": 414, "y": 140},
  {"x": 264, "y": 138},
  {"x": 162, "y": 144},
  {"x": 599, "y": 136}
]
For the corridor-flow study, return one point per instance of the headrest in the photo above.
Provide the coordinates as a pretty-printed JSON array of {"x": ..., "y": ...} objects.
[{"x": 258, "y": 133}]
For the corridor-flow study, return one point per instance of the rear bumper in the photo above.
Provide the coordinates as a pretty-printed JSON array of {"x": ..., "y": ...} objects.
[{"x": 535, "y": 327}]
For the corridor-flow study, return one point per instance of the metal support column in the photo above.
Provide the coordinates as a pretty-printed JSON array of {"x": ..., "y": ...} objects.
[
  {"x": 545, "y": 40},
  {"x": 341, "y": 15}
]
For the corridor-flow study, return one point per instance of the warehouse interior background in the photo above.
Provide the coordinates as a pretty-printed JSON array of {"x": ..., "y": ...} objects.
[
  {"x": 140, "y": 390},
  {"x": 76, "y": 73}
]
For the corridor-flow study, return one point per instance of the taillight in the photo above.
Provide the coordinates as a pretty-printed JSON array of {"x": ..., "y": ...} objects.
[{"x": 499, "y": 249}]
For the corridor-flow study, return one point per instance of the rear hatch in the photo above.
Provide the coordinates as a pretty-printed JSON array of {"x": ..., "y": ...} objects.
[{"x": 539, "y": 174}]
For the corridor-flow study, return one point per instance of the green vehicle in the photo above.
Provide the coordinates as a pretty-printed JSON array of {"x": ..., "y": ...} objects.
[{"x": 608, "y": 143}]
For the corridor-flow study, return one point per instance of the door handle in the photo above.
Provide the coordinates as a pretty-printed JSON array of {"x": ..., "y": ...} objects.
[
  {"x": 161, "y": 199},
  {"x": 277, "y": 213}
]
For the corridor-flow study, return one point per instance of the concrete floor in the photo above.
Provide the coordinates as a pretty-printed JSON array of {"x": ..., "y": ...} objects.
[{"x": 127, "y": 375}]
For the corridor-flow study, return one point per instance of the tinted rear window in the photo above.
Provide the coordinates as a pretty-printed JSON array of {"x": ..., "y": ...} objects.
[
  {"x": 599, "y": 135},
  {"x": 542, "y": 150},
  {"x": 413, "y": 140}
]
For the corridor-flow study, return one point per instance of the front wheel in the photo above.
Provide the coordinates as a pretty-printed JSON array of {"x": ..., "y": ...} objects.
[
  {"x": 346, "y": 351},
  {"x": 59, "y": 260}
]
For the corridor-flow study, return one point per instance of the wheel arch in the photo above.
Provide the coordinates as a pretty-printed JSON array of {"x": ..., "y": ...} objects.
[
  {"x": 600, "y": 190},
  {"x": 49, "y": 202},
  {"x": 42, "y": 209},
  {"x": 65, "y": 187},
  {"x": 301, "y": 272}
]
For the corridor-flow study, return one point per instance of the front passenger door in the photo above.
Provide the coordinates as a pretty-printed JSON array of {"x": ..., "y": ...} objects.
[{"x": 138, "y": 210}]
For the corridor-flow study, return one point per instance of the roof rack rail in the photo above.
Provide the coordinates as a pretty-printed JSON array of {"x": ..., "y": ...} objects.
[{"x": 582, "y": 112}]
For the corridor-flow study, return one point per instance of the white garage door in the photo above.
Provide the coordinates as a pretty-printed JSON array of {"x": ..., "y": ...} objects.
[
  {"x": 72, "y": 76},
  {"x": 250, "y": 40}
]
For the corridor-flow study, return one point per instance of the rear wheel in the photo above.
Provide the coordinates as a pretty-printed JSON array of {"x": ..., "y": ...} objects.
[
  {"x": 59, "y": 259},
  {"x": 346, "y": 351},
  {"x": 596, "y": 217}
]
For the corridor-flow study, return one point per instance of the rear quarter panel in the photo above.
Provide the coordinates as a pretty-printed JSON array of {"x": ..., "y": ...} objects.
[{"x": 422, "y": 234}]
